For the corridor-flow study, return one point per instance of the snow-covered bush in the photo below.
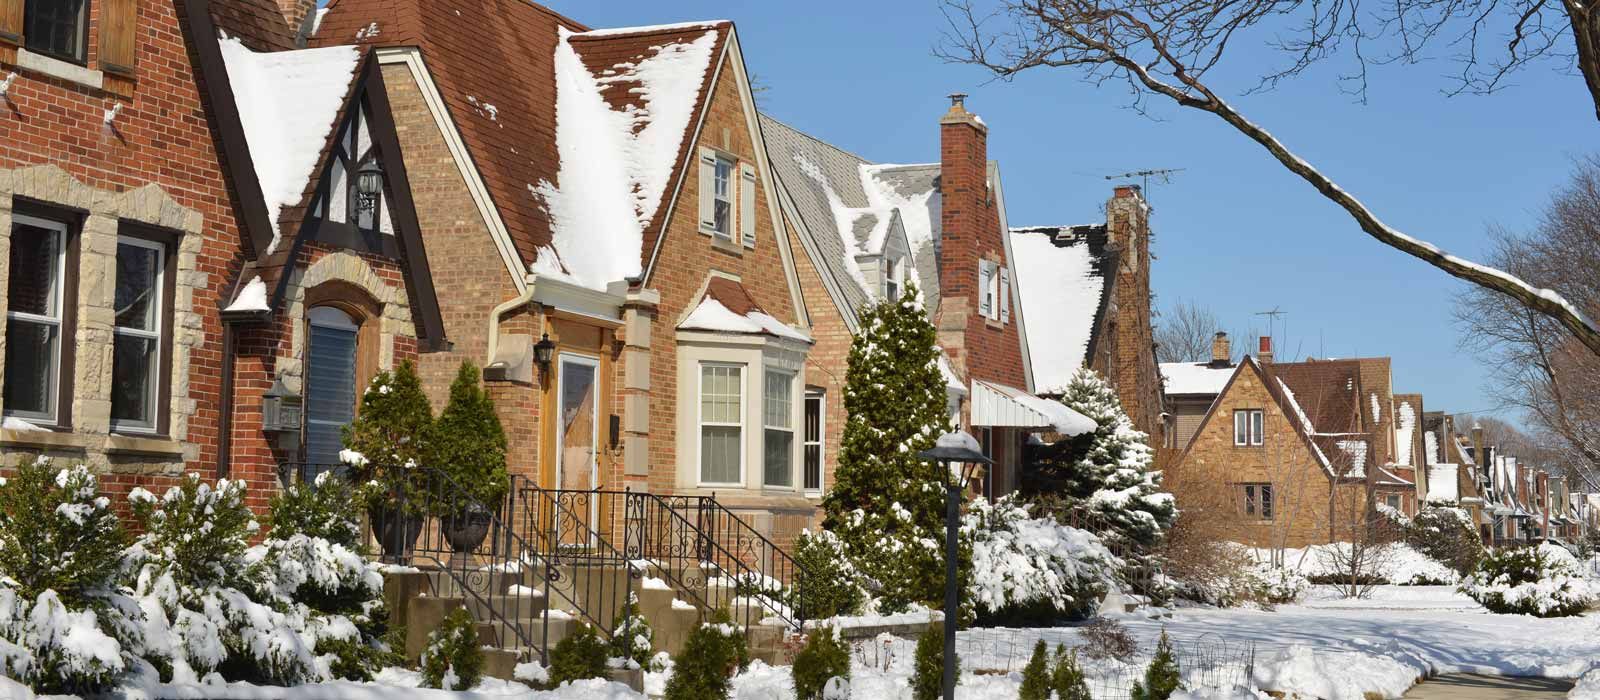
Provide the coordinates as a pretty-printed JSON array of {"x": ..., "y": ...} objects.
[
  {"x": 389, "y": 440},
  {"x": 206, "y": 602},
  {"x": 453, "y": 660},
  {"x": 1529, "y": 581},
  {"x": 64, "y": 625},
  {"x": 1031, "y": 569},
  {"x": 825, "y": 583},
  {"x": 1447, "y": 535},
  {"x": 823, "y": 657},
  {"x": 320, "y": 510},
  {"x": 632, "y": 639},
  {"x": 1277, "y": 585},
  {"x": 580, "y": 655}
]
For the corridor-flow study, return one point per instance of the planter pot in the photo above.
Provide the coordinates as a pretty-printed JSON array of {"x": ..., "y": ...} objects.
[
  {"x": 396, "y": 531},
  {"x": 467, "y": 529}
]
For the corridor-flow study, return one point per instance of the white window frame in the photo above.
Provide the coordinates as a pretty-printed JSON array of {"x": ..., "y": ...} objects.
[
  {"x": 987, "y": 300},
  {"x": 792, "y": 377},
  {"x": 50, "y": 417},
  {"x": 158, "y": 297},
  {"x": 1254, "y": 427},
  {"x": 891, "y": 278},
  {"x": 592, "y": 363},
  {"x": 730, "y": 197},
  {"x": 701, "y": 424},
  {"x": 821, "y": 443}
]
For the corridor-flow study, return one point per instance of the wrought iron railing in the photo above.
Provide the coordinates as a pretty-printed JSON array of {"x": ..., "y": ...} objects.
[{"x": 594, "y": 578}]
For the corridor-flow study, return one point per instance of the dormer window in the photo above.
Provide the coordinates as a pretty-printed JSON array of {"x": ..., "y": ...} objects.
[
  {"x": 891, "y": 279},
  {"x": 57, "y": 28}
]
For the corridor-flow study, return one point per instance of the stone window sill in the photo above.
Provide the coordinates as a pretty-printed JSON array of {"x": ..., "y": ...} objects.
[
  {"x": 155, "y": 446},
  {"x": 43, "y": 439},
  {"x": 57, "y": 68},
  {"x": 725, "y": 246}
]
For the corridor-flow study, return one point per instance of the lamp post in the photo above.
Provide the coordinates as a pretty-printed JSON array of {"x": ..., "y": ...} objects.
[{"x": 949, "y": 450}]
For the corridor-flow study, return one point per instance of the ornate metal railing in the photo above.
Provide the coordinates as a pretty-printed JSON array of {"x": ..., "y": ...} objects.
[{"x": 596, "y": 580}]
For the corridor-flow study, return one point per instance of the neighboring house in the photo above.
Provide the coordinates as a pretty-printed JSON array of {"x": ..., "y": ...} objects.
[
  {"x": 868, "y": 230},
  {"x": 118, "y": 239},
  {"x": 1190, "y": 388},
  {"x": 606, "y": 195},
  {"x": 1281, "y": 455},
  {"x": 1087, "y": 291}
]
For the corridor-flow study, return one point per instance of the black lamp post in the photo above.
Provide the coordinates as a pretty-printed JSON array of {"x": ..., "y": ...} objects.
[{"x": 951, "y": 449}]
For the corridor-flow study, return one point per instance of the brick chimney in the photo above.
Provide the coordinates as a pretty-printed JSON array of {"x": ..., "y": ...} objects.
[
  {"x": 1265, "y": 355},
  {"x": 965, "y": 212},
  {"x": 297, "y": 14},
  {"x": 1478, "y": 453},
  {"x": 1221, "y": 350}
]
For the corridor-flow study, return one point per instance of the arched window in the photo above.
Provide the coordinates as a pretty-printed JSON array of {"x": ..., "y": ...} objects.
[{"x": 332, "y": 340}]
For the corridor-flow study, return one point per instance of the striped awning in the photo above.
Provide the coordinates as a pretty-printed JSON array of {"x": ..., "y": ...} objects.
[{"x": 998, "y": 405}]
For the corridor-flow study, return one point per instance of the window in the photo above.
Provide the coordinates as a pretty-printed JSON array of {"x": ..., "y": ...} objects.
[
  {"x": 34, "y": 318},
  {"x": 778, "y": 421},
  {"x": 986, "y": 284},
  {"x": 57, "y": 28},
  {"x": 721, "y": 424},
  {"x": 1258, "y": 501},
  {"x": 136, "y": 337},
  {"x": 994, "y": 291},
  {"x": 1392, "y": 500},
  {"x": 891, "y": 280},
  {"x": 813, "y": 439},
  {"x": 1248, "y": 427},
  {"x": 722, "y": 199},
  {"x": 330, "y": 381}
]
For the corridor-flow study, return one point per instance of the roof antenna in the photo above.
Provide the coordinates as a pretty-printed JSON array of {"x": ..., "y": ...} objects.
[
  {"x": 1272, "y": 317},
  {"x": 1165, "y": 175}
]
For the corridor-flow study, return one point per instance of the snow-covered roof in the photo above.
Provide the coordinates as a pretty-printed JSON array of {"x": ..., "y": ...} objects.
[
  {"x": 252, "y": 297},
  {"x": 1404, "y": 431},
  {"x": 619, "y": 131},
  {"x": 1195, "y": 377},
  {"x": 1442, "y": 484},
  {"x": 728, "y": 308},
  {"x": 288, "y": 102},
  {"x": 1061, "y": 285},
  {"x": 952, "y": 383}
]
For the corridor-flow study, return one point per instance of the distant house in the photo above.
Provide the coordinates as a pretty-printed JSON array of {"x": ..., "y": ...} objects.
[
  {"x": 1191, "y": 387},
  {"x": 1087, "y": 291}
]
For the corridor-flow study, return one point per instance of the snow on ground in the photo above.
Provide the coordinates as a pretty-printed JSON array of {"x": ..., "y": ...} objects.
[{"x": 391, "y": 684}]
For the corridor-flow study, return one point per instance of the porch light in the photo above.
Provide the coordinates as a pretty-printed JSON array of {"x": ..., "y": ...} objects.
[
  {"x": 369, "y": 184},
  {"x": 544, "y": 352}
]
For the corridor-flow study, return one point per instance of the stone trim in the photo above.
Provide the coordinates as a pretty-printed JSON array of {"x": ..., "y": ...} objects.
[
  {"x": 104, "y": 211},
  {"x": 394, "y": 319}
]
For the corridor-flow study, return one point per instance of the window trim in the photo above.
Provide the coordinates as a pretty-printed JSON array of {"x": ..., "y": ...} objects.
[
  {"x": 700, "y": 423},
  {"x": 162, "y": 336},
  {"x": 820, "y": 395},
  {"x": 66, "y": 225},
  {"x": 1254, "y": 427},
  {"x": 793, "y": 377},
  {"x": 87, "y": 13}
]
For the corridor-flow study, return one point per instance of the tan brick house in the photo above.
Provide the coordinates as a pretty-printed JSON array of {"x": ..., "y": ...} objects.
[
  {"x": 1087, "y": 290},
  {"x": 868, "y": 230}
]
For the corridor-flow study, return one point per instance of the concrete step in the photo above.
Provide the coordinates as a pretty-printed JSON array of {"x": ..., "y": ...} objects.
[
  {"x": 501, "y": 663},
  {"x": 425, "y": 614},
  {"x": 533, "y": 629},
  {"x": 526, "y": 604}
]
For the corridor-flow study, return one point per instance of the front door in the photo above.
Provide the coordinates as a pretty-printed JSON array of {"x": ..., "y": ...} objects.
[
  {"x": 577, "y": 468},
  {"x": 330, "y": 387}
]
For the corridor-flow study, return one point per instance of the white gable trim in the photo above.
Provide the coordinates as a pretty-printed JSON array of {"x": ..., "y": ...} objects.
[
  {"x": 411, "y": 58},
  {"x": 829, "y": 282},
  {"x": 1015, "y": 291},
  {"x": 731, "y": 55}
]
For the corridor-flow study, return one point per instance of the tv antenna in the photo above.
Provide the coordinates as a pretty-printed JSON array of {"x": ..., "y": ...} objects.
[
  {"x": 1165, "y": 175},
  {"x": 1272, "y": 318}
]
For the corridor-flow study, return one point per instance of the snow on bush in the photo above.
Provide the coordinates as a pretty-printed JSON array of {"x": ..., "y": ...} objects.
[
  {"x": 1021, "y": 562},
  {"x": 1304, "y": 672},
  {"x": 1276, "y": 585},
  {"x": 1446, "y": 534},
  {"x": 1542, "y": 581},
  {"x": 1397, "y": 564}
]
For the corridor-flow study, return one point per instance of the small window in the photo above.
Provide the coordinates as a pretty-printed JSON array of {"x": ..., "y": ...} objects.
[
  {"x": 986, "y": 288},
  {"x": 721, "y": 424},
  {"x": 722, "y": 199},
  {"x": 778, "y": 422},
  {"x": 57, "y": 28},
  {"x": 1248, "y": 427},
  {"x": 813, "y": 440},
  {"x": 891, "y": 280},
  {"x": 1392, "y": 500},
  {"x": 1258, "y": 501},
  {"x": 136, "y": 353},
  {"x": 34, "y": 318}
]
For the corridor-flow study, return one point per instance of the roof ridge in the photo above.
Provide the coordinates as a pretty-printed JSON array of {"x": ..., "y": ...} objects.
[
  {"x": 791, "y": 127},
  {"x": 644, "y": 30}
]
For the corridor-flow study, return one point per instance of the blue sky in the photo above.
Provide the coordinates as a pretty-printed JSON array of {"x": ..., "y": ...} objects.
[{"x": 1234, "y": 231}]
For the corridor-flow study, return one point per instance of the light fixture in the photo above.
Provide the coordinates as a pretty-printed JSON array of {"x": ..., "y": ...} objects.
[
  {"x": 544, "y": 352},
  {"x": 961, "y": 448},
  {"x": 5, "y": 85},
  {"x": 369, "y": 184}
]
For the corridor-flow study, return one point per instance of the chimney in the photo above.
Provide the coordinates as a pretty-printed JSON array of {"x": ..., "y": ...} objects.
[
  {"x": 969, "y": 227},
  {"x": 297, "y": 14},
  {"x": 1478, "y": 453},
  {"x": 1265, "y": 356},
  {"x": 1221, "y": 350}
]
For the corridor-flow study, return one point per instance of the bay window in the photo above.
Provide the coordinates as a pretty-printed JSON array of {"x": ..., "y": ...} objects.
[
  {"x": 137, "y": 335},
  {"x": 35, "y": 318},
  {"x": 721, "y": 424},
  {"x": 778, "y": 425}
]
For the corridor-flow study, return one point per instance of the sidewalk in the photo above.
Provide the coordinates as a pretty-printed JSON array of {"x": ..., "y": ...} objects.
[{"x": 1468, "y": 686}]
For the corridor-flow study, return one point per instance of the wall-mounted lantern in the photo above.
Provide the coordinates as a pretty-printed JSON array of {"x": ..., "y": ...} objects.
[
  {"x": 280, "y": 409},
  {"x": 369, "y": 185},
  {"x": 544, "y": 352}
]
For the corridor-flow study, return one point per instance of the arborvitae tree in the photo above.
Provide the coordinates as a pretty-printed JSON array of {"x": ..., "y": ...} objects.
[
  {"x": 1067, "y": 679},
  {"x": 705, "y": 666},
  {"x": 886, "y": 505},
  {"x": 1036, "y": 675},
  {"x": 927, "y": 671},
  {"x": 58, "y": 533},
  {"x": 468, "y": 441},
  {"x": 388, "y": 441},
  {"x": 580, "y": 655},
  {"x": 453, "y": 660},
  {"x": 823, "y": 657},
  {"x": 1107, "y": 472},
  {"x": 1161, "y": 678},
  {"x": 632, "y": 638}
]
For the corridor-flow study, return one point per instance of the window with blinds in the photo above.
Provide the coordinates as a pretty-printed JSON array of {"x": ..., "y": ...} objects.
[{"x": 330, "y": 394}]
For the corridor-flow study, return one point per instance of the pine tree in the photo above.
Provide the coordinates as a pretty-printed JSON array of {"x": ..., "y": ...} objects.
[
  {"x": 1067, "y": 679},
  {"x": 1107, "y": 472},
  {"x": 387, "y": 444},
  {"x": 886, "y": 505},
  {"x": 468, "y": 442},
  {"x": 1036, "y": 675},
  {"x": 1161, "y": 676}
]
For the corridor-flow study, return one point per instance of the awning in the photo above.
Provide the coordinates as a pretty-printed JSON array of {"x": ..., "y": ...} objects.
[{"x": 998, "y": 405}]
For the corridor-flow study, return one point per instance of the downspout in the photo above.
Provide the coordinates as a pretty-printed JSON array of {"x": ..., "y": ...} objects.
[
  {"x": 225, "y": 419},
  {"x": 504, "y": 308}
]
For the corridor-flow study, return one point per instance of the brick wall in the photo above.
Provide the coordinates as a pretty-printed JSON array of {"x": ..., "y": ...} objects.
[{"x": 1132, "y": 365}]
